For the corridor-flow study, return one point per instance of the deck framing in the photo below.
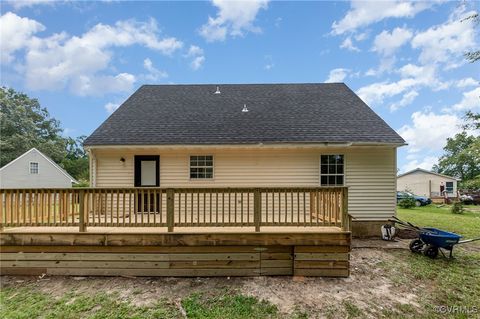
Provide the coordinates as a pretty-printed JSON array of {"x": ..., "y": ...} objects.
[{"x": 176, "y": 254}]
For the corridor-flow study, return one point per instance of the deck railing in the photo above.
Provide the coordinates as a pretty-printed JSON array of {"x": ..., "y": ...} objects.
[{"x": 175, "y": 207}]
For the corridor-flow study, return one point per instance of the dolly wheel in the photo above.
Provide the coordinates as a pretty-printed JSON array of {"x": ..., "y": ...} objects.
[
  {"x": 416, "y": 246},
  {"x": 431, "y": 251}
]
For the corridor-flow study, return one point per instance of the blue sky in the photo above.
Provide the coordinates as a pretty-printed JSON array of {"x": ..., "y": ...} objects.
[{"x": 404, "y": 59}]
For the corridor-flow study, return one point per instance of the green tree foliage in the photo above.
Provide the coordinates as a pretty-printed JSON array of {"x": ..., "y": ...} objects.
[
  {"x": 461, "y": 158},
  {"x": 462, "y": 154},
  {"x": 76, "y": 160},
  {"x": 473, "y": 56},
  {"x": 25, "y": 124}
]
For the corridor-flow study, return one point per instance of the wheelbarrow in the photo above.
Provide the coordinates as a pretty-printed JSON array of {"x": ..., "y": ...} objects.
[{"x": 431, "y": 241}]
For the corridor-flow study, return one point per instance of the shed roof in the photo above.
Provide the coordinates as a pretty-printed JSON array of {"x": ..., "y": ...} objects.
[
  {"x": 277, "y": 113},
  {"x": 428, "y": 172}
]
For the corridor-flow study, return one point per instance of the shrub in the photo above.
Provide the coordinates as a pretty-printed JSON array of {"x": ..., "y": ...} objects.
[
  {"x": 457, "y": 207},
  {"x": 408, "y": 202}
]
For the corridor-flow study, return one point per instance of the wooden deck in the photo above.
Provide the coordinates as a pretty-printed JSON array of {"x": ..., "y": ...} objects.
[{"x": 175, "y": 232}]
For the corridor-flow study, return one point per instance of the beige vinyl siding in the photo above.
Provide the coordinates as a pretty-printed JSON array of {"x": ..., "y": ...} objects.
[{"x": 370, "y": 172}]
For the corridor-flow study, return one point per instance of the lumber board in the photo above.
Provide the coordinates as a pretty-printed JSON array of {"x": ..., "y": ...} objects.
[
  {"x": 177, "y": 239},
  {"x": 152, "y": 272},
  {"x": 220, "y": 264},
  {"x": 137, "y": 249},
  {"x": 322, "y": 272},
  {"x": 317, "y": 264},
  {"x": 128, "y": 257},
  {"x": 321, "y": 256},
  {"x": 322, "y": 249},
  {"x": 276, "y": 264}
]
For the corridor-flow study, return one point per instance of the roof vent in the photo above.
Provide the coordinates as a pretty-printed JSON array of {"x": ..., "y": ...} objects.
[
  {"x": 218, "y": 90},
  {"x": 244, "y": 110}
]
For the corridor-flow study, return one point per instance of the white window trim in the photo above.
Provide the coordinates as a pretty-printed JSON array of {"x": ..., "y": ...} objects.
[
  {"x": 30, "y": 168},
  {"x": 201, "y": 179},
  {"x": 344, "y": 170}
]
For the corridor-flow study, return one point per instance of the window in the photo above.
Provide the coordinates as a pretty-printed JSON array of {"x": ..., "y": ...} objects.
[
  {"x": 331, "y": 170},
  {"x": 201, "y": 167},
  {"x": 33, "y": 168},
  {"x": 449, "y": 187}
]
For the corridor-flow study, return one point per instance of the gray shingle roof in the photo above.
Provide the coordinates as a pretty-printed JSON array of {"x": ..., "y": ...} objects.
[{"x": 277, "y": 113}]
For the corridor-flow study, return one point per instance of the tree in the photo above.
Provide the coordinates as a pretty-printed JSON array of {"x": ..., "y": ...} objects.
[
  {"x": 461, "y": 158},
  {"x": 76, "y": 160},
  {"x": 472, "y": 121},
  {"x": 25, "y": 124},
  {"x": 474, "y": 55}
]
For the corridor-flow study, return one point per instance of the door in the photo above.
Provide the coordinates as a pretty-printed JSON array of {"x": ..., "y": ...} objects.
[{"x": 147, "y": 174}]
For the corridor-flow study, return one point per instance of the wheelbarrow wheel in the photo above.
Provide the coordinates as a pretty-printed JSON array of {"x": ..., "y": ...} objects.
[
  {"x": 416, "y": 246},
  {"x": 431, "y": 251}
]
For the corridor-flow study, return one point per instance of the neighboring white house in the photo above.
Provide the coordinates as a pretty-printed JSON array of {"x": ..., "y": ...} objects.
[
  {"x": 425, "y": 183},
  {"x": 33, "y": 169}
]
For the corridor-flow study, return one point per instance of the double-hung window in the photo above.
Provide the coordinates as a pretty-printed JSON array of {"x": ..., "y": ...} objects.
[
  {"x": 449, "y": 187},
  {"x": 332, "y": 170},
  {"x": 33, "y": 168},
  {"x": 201, "y": 167}
]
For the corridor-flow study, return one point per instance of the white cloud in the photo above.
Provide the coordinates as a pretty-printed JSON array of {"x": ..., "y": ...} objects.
[
  {"x": 234, "y": 18},
  {"x": 154, "y": 74},
  {"x": 466, "y": 82},
  {"x": 429, "y": 131},
  {"x": 348, "y": 44},
  {"x": 386, "y": 43},
  {"x": 111, "y": 107},
  {"x": 80, "y": 62},
  {"x": 470, "y": 101},
  {"x": 444, "y": 42},
  {"x": 406, "y": 100},
  {"x": 412, "y": 77},
  {"x": 426, "y": 162},
  {"x": 84, "y": 85},
  {"x": 198, "y": 58},
  {"x": 337, "y": 75},
  {"x": 364, "y": 13},
  {"x": 19, "y": 4},
  {"x": 15, "y": 33}
]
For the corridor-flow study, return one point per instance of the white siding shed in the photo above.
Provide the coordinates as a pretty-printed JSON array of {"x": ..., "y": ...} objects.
[{"x": 33, "y": 169}]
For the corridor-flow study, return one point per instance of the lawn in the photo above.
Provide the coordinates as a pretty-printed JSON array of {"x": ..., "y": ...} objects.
[{"x": 466, "y": 224}]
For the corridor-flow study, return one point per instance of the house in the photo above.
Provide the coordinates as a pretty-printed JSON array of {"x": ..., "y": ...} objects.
[
  {"x": 429, "y": 184},
  {"x": 251, "y": 135},
  {"x": 33, "y": 169}
]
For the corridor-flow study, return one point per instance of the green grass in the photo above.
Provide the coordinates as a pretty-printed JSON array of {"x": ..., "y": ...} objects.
[
  {"x": 28, "y": 303},
  {"x": 446, "y": 282},
  {"x": 466, "y": 224},
  {"x": 228, "y": 306}
]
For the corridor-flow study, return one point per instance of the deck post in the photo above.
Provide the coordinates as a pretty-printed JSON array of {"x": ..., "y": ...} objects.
[
  {"x": 170, "y": 209},
  {"x": 81, "y": 212},
  {"x": 345, "y": 216},
  {"x": 257, "y": 209}
]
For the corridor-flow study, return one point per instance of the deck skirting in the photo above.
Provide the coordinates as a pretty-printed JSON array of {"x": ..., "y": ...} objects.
[{"x": 186, "y": 255}]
